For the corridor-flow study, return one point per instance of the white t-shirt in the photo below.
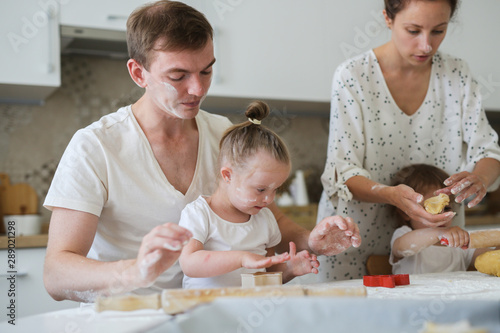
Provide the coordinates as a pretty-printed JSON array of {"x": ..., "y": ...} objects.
[
  {"x": 370, "y": 136},
  {"x": 434, "y": 259},
  {"x": 258, "y": 234},
  {"x": 109, "y": 170}
]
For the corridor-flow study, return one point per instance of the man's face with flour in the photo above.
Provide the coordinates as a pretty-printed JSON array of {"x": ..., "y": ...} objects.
[{"x": 177, "y": 82}]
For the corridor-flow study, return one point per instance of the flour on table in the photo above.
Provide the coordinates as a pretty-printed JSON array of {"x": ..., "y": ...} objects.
[{"x": 445, "y": 286}]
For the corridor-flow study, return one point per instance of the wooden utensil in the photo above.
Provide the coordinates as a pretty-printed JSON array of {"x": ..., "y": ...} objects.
[
  {"x": 174, "y": 301},
  {"x": 484, "y": 238},
  {"x": 17, "y": 199}
]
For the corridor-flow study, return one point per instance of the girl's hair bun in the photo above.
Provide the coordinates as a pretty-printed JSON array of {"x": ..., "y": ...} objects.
[{"x": 257, "y": 110}]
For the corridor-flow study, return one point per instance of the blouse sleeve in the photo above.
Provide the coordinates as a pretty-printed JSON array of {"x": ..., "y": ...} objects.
[
  {"x": 346, "y": 144},
  {"x": 481, "y": 139}
]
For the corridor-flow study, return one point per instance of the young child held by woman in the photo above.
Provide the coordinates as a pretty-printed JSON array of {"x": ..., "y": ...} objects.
[
  {"x": 233, "y": 230},
  {"x": 416, "y": 248}
]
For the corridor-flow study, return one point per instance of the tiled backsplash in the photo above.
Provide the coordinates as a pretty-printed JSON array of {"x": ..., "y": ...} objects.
[{"x": 33, "y": 138}]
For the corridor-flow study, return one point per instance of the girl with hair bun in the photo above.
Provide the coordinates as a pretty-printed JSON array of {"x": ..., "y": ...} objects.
[{"x": 234, "y": 231}]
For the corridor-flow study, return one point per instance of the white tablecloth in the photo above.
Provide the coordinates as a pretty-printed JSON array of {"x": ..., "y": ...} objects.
[{"x": 442, "y": 298}]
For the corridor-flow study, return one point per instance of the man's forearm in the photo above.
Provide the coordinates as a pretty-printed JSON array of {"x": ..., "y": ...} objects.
[{"x": 73, "y": 277}]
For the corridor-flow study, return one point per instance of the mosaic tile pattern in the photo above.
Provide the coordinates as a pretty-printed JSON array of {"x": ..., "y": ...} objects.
[{"x": 33, "y": 138}]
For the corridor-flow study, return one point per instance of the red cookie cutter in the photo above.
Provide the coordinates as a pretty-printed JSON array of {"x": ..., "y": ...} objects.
[
  {"x": 444, "y": 241},
  {"x": 386, "y": 281}
]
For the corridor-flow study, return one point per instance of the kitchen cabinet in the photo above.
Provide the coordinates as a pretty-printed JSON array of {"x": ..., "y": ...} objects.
[
  {"x": 30, "y": 294},
  {"x": 29, "y": 41},
  {"x": 264, "y": 52},
  {"x": 288, "y": 50},
  {"x": 97, "y": 14}
]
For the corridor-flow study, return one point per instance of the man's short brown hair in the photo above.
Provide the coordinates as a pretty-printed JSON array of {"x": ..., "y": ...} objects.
[{"x": 165, "y": 26}]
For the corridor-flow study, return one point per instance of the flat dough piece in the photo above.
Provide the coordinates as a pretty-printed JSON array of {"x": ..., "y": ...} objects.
[
  {"x": 489, "y": 263},
  {"x": 435, "y": 205},
  {"x": 459, "y": 327}
]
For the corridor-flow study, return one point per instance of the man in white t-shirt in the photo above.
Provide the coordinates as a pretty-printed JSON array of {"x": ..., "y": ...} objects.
[{"x": 123, "y": 181}]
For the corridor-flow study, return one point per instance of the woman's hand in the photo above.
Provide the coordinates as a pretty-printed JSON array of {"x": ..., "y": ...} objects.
[
  {"x": 410, "y": 204},
  {"x": 333, "y": 235},
  {"x": 255, "y": 261},
  {"x": 302, "y": 263},
  {"x": 465, "y": 185},
  {"x": 159, "y": 250}
]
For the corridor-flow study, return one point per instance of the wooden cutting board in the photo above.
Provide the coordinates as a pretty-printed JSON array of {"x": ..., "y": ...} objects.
[
  {"x": 174, "y": 301},
  {"x": 17, "y": 199}
]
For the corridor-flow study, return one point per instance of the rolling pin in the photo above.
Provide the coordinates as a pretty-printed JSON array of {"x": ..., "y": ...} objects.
[
  {"x": 480, "y": 239},
  {"x": 174, "y": 301}
]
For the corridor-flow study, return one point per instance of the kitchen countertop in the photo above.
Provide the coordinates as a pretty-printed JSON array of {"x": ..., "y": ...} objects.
[
  {"x": 446, "y": 298},
  {"x": 25, "y": 241},
  {"x": 31, "y": 241}
]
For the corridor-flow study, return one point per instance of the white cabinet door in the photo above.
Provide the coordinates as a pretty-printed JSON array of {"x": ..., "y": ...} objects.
[
  {"x": 289, "y": 49},
  {"x": 26, "y": 289},
  {"x": 98, "y": 14},
  {"x": 270, "y": 49},
  {"x": 286, "y": 49},
  {"x": 30, "y": 57}
]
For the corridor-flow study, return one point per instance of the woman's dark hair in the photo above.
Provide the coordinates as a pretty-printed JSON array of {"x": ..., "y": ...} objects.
[{"x": 393, "y": 7}]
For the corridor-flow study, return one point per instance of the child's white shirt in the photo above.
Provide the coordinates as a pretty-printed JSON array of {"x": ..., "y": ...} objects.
[
  {"x": 434, "y": 259},
  {"x": 256, "y": 235}
]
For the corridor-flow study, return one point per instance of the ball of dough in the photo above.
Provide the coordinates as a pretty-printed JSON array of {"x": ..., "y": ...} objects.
[
  {"x": 489, "y": 263},
  {"x": 435, "y": 205}
]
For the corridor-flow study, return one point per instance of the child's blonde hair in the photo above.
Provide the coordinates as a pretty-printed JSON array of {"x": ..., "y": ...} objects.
[{"x": 244, "y": 140}]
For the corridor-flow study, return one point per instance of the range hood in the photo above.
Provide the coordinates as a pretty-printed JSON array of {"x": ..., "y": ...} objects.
[{"x": 95, "y": 42}]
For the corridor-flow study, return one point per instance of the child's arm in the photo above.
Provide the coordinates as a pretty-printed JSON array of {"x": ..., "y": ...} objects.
[
  {"x": 197, "y": 262},
  {"x": 299, "y": 264},
  {"x": 415, "y": 241}
]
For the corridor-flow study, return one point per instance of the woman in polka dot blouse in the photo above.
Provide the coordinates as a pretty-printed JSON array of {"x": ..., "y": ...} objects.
[{"x": 399, "y": 104}]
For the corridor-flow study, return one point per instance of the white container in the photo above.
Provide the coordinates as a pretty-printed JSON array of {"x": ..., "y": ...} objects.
[
  {"x": 299, "y": 189},
  {"x": 24, "y": 225}
]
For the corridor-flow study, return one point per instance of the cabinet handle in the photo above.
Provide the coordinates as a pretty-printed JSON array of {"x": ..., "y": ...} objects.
[
  {"x": 53, "y": 40},
  {"x": 112, "y": 17},
  {"x": 216, "y": 78},
  {"x": 18, "y": 274}
]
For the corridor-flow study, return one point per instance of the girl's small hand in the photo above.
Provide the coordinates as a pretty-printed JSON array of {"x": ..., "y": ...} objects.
[
  {"x": 255, "y": 261},
  {"x": 465, "y": 185},
  {"x": 303, "y": 262},
  {"x": 456, "y": 236},
  {"x": 410, "y": 204}
]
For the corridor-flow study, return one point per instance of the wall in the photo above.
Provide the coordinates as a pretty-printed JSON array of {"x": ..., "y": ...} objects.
[{"x": 33, "y": 138}]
